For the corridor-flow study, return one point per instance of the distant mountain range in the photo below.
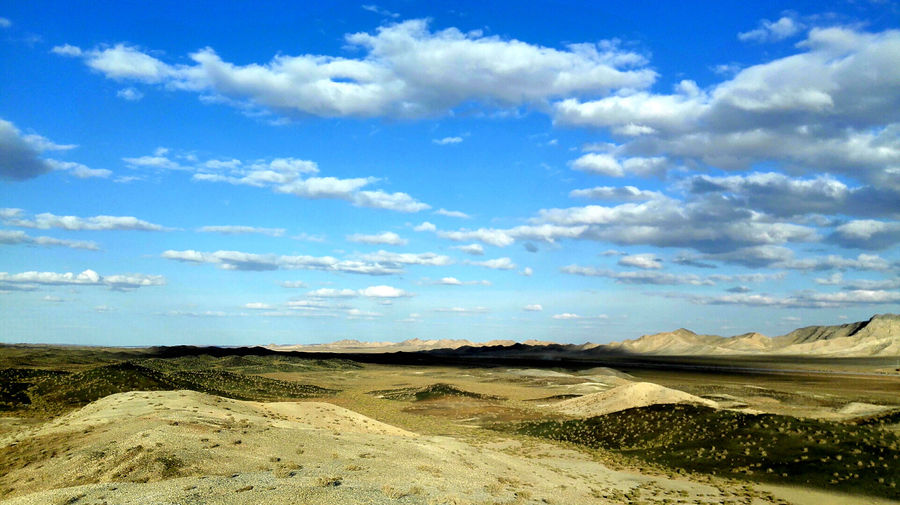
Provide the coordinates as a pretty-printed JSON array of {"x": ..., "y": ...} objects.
[{"x": 879, "y": 336}]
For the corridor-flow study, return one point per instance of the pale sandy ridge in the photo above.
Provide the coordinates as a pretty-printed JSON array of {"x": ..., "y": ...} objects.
[
  {"x": 627, "y": 396},
  {"x": 188, "y": 447}
]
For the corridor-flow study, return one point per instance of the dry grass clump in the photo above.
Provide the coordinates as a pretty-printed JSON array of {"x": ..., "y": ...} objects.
[{"x": 329, "y": 481}]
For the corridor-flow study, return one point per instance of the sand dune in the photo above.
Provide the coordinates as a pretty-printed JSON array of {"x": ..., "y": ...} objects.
[
  {"x": 188, "y": 447},
  {"x": 636, "y": 394}
]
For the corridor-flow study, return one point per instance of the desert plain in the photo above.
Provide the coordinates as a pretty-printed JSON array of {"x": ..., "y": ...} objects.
[{"x": 668, "y": 418}]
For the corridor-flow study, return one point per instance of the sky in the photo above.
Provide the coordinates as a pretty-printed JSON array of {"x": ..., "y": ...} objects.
[{"x": 234, "y": 173}]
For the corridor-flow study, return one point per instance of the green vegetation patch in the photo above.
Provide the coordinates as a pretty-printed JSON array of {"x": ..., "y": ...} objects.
[
  {"x": 251, "y": 364},
  {"x": 76, "y": 389},
  {"x": 55, "y": 392},
  {"x": 432, "y": 392},
  {"x": 15, "y": 382},
  {"x": 773, "y": 448}
]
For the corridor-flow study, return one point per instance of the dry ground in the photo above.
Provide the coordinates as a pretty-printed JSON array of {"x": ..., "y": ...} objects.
[{"x": 356, "y": 446}]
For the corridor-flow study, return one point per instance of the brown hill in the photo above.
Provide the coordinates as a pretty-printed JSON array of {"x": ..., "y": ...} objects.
[{"x": 879, "y": 336}]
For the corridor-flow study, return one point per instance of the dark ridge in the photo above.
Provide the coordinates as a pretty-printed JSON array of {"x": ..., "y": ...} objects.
[
  {"x": 766, "y": 447},
  {"x": 432, "y": 392}
]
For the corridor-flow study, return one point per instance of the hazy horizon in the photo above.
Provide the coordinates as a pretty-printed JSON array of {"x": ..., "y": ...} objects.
[{"x": 208, "y": 174}]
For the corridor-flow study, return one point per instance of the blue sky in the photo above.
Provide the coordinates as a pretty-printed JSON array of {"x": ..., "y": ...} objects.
[{"x": 200, "y": 173}]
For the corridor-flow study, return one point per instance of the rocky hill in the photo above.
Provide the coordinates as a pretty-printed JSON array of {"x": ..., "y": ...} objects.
[{"x": 879, "y": 336}]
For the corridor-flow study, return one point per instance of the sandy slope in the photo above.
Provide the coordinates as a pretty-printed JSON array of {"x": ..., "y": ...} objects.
[
  {"x": 187, "y": 447},
  {"x": 635, "y": 394}
]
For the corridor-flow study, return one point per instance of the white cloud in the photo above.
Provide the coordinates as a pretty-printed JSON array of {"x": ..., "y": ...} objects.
[
  {"x": 392, "y": 258},
  {"x": 11, "y": 237},
  {"x": 47, "y": 220},
  {"x": 130, "y": 94},
  {"x": 122, "y": 282},
  {"x": 600, "y": 164},
  {"x": 496, "y": 264},
  {"x": 535, "y": 307},
  {"x": 425, "y": 226},
  {"x": 546, "y": 232},
  {"x": 383, "y": 292},
  {"x": 463, "y": 311},
  {"x": 527, "y": 272},
  {"x": 772, "y": 31},
  {"x": 20, "y": 156},
  {"x": 867, "y": 234},
  {"x": 332, "y": 293},
  {"x": 802, "y": 110},
  {"x": 237, "y": 260},
  {"x": 156, "y": 161},
  {"x": 646, "y": 261},
  {"x": 453, "y": 281},
  {"x": 644, "y": 277},
  {"x": 473, "y": 249},
  {"x": 616, "y": 193},
  {"x": 292, "y": 284},
  {"x": 308, "y": 238},
  {"x": 452, "y": 213},
  {"x": 566, "y": 316},
  {"x": 258, "y": 306},
  {"x": 388, "y": 238},
  {"x": 380, "y": 11},
  {"x": 806, "y": 299},
  {"x": 288, "y": 176},
  {"x": 447, "y": 141},
  {"x": 406, "y": 71},
  {"x": 241, "y": 230}
]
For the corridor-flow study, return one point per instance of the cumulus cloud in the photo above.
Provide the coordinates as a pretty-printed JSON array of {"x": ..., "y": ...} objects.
[
  {"x": 121, "y": 282},
  {"x": 804, "y": 299},
  {"x": 462, "y": 311},
  {"x": 452, "y": 213},
  {"x": 12, "y": 237},
  {"x": 378, "y": 263},
  {"x": 802, "y": 110},
  {"x": 534, "y": 307},
  {"x": 332, "y": 293},
  {"x": 21, "y": 156},
  {"x": 495, "y": 264},
  {"x": 644, "y": 277},
  {"x": 237, "y": 260},
  {"x": 383, "y": 291},
  {"x": 387, "y": 238},
  {"x": 130, "y": 94},
  {"x": 18, "y": 217},
  {"x": 407, "y": 70},
  {"x": 784, "y": 258},
  {"x": 867, "y": 234},
  {"x": 258, "y": 306},
  {"x": 396, "y": 259},
  {"x": 772, "y": 31},
  {"x": 600, "y": 164},
  {"x": 646, "y": 261},
  {"x": 616, "y": 193},
  {"x": 783, "y": 196},
  {"x": 473, "y": 249},
  {"x": 547, "y": 232},
  {"x": 453, "y": 281},
  {"x": 425, "y": 226},
  {"x": 448, "y": 141},
  {"x": 292, "y": 176},
  {"x": 241, "y": 230}
]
